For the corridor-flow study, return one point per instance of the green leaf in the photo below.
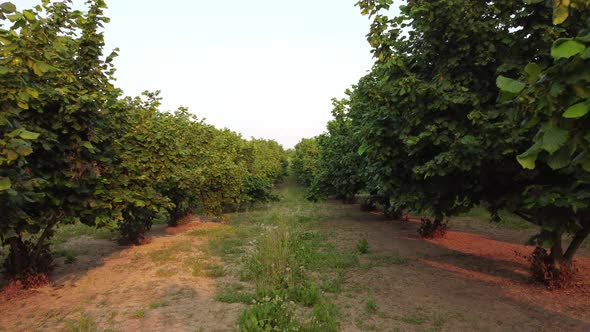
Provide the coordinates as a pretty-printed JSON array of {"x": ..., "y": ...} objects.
[
  {"x": 3, "y": 70},
  {"x": 87, "y": 145},
  {"x": 560, "y": 13},
  {"x": 566, "y": 49},
  {"x": 528, "y": 159},
  {"x": 362, "y": 149},
  {"x": 7, "y": 7},
  {"x": 15, "y": 17},
  {"x": 559, "y": 160},
  {"x": 554, "y": 138},
  {"x": 25, "y": 134},
  {"x": 509, "y": 85},
  {"x": 29, "y": 15},
  {"x": 41, "y": 67},
  {"x": 11, "y": 155},
  {"x": 534, "y": 72},
  {"x": 577, "y": 111},
  {"x": 24, "y": 150},
  {"x": 469, "y": 140},
  {"x": 32, "y": 92},
  {"x": 5, "y": 183}
]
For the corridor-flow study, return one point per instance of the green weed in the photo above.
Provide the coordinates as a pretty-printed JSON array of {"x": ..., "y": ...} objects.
[
  {"x": 83, "y": 324},
  {"x": 270, "y": 314},
  {"x": 362, "y": 246},
  {"x": 370, "y": 306},
  {"x": 138, "y": 314},
  {"x": 69, "y": 255},
  {"x": 158, "y": 304}
]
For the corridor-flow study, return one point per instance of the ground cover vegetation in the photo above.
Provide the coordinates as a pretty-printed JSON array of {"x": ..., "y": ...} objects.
[
  {"x": 73, "y": 149},
  {"x": 469, "y": 105}
]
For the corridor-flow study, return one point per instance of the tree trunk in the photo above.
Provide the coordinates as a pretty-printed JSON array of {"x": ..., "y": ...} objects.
[
  {"x": 577, "y": 241},
  {"x": 556, "y": 254}
]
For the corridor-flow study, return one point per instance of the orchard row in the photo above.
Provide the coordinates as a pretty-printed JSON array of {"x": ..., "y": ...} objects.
[
  {"x": 74, "y": 150},
  {"x": 469, "y": 103}
]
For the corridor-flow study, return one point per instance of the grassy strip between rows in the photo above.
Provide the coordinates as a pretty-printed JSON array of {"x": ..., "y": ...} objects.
[{"x": 287, "y": 268}]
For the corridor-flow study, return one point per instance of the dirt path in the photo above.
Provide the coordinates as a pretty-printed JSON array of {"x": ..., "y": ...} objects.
[
  {"x": 145, "y": 288},
  {"x": 464, "y": 282}
]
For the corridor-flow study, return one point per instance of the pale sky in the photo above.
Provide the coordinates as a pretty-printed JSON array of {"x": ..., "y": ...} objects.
[{"x": 263, "y": 68}]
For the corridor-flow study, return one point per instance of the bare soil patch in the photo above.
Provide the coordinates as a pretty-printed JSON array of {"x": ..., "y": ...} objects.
[
  {"x": 462, "y": 282},
  {"x": 139, "y": 288}
]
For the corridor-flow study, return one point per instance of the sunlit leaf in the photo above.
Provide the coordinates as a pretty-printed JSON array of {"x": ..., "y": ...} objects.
[
  {"x": 577, "y": 110},
  {"x": 5, "y": 183},
  {"x": 509, "y": 85},
  {"x": 566, "y": 49}
]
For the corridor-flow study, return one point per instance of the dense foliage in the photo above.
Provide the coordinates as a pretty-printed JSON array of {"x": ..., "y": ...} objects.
[
  {"x": 72, "y": 149},
  {"x": 304, "y": 160},
  {"x": 470, "y": 104}
]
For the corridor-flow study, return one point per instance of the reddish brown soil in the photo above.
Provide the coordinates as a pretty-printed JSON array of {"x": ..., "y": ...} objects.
[{"x": 463, "y": 282}]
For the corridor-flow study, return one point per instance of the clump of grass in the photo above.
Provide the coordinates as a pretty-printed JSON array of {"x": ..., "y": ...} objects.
[
  {"x": 166, "y": 273},
  {"x": 308, "y": 293},
  {"x": 138, "y": 314},
  {"x": 332, "y": 258},
  {"x": 83, "y": 324},
  {"x": 196, "y": 266},
  {"x": 73, "y": 231},
  {"x": 167, "y": 253},
  {"x": 234, "y": 293},
  {"x": 333, "y": 285},
  {"x": 507, "y": 219},
  {"x": 324, "y": 318},
  {"x": 362, "y": 246},
  {"x": 70, "y": 255},
  {"x": 274, "y": 263},
  {"x": 269, "y": 314},
  {"x": 214, "y": 271},
  {"x": 370, "y": 306},
  {"x": 158, "y": 304}
]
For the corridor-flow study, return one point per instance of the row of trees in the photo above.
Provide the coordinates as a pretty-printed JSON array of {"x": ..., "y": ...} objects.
[
  {"x": 72, "y": 149},
  {"x": 470, "y": 103}
]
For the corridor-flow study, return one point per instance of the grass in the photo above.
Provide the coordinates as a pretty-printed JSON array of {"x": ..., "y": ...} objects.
[
  {"x": 158, "y": 304},
  {"x": 166, "y": 273},
  {"x": 333, "y": 284},
  {"x": 412, "y": 319},
  {"x": 507, "y": 220},
  {"x": 138, "y": 314},
  {"x": 63, "y": 233},
  {"x": 234, "y": 293},
  {"x": 362, "y": 246},
  {"x": 282, "y": 252},
  {"x": 82, "y": 324},
  {"x": 214, "y": 270},
  {"x": 69, "y": 255},
  {"x": 370, "y": 306},
  {"x": 169, "y": 252},
  {"x": 384, "y": 261}
]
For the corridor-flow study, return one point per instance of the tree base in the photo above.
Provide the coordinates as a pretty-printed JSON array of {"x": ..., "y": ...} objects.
[
  {"x": 368, "y": 206},
  {"x": 430, "y": 229},
  {"x": 26, "y": 261},
  {"x": 545, "y": 271}
]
